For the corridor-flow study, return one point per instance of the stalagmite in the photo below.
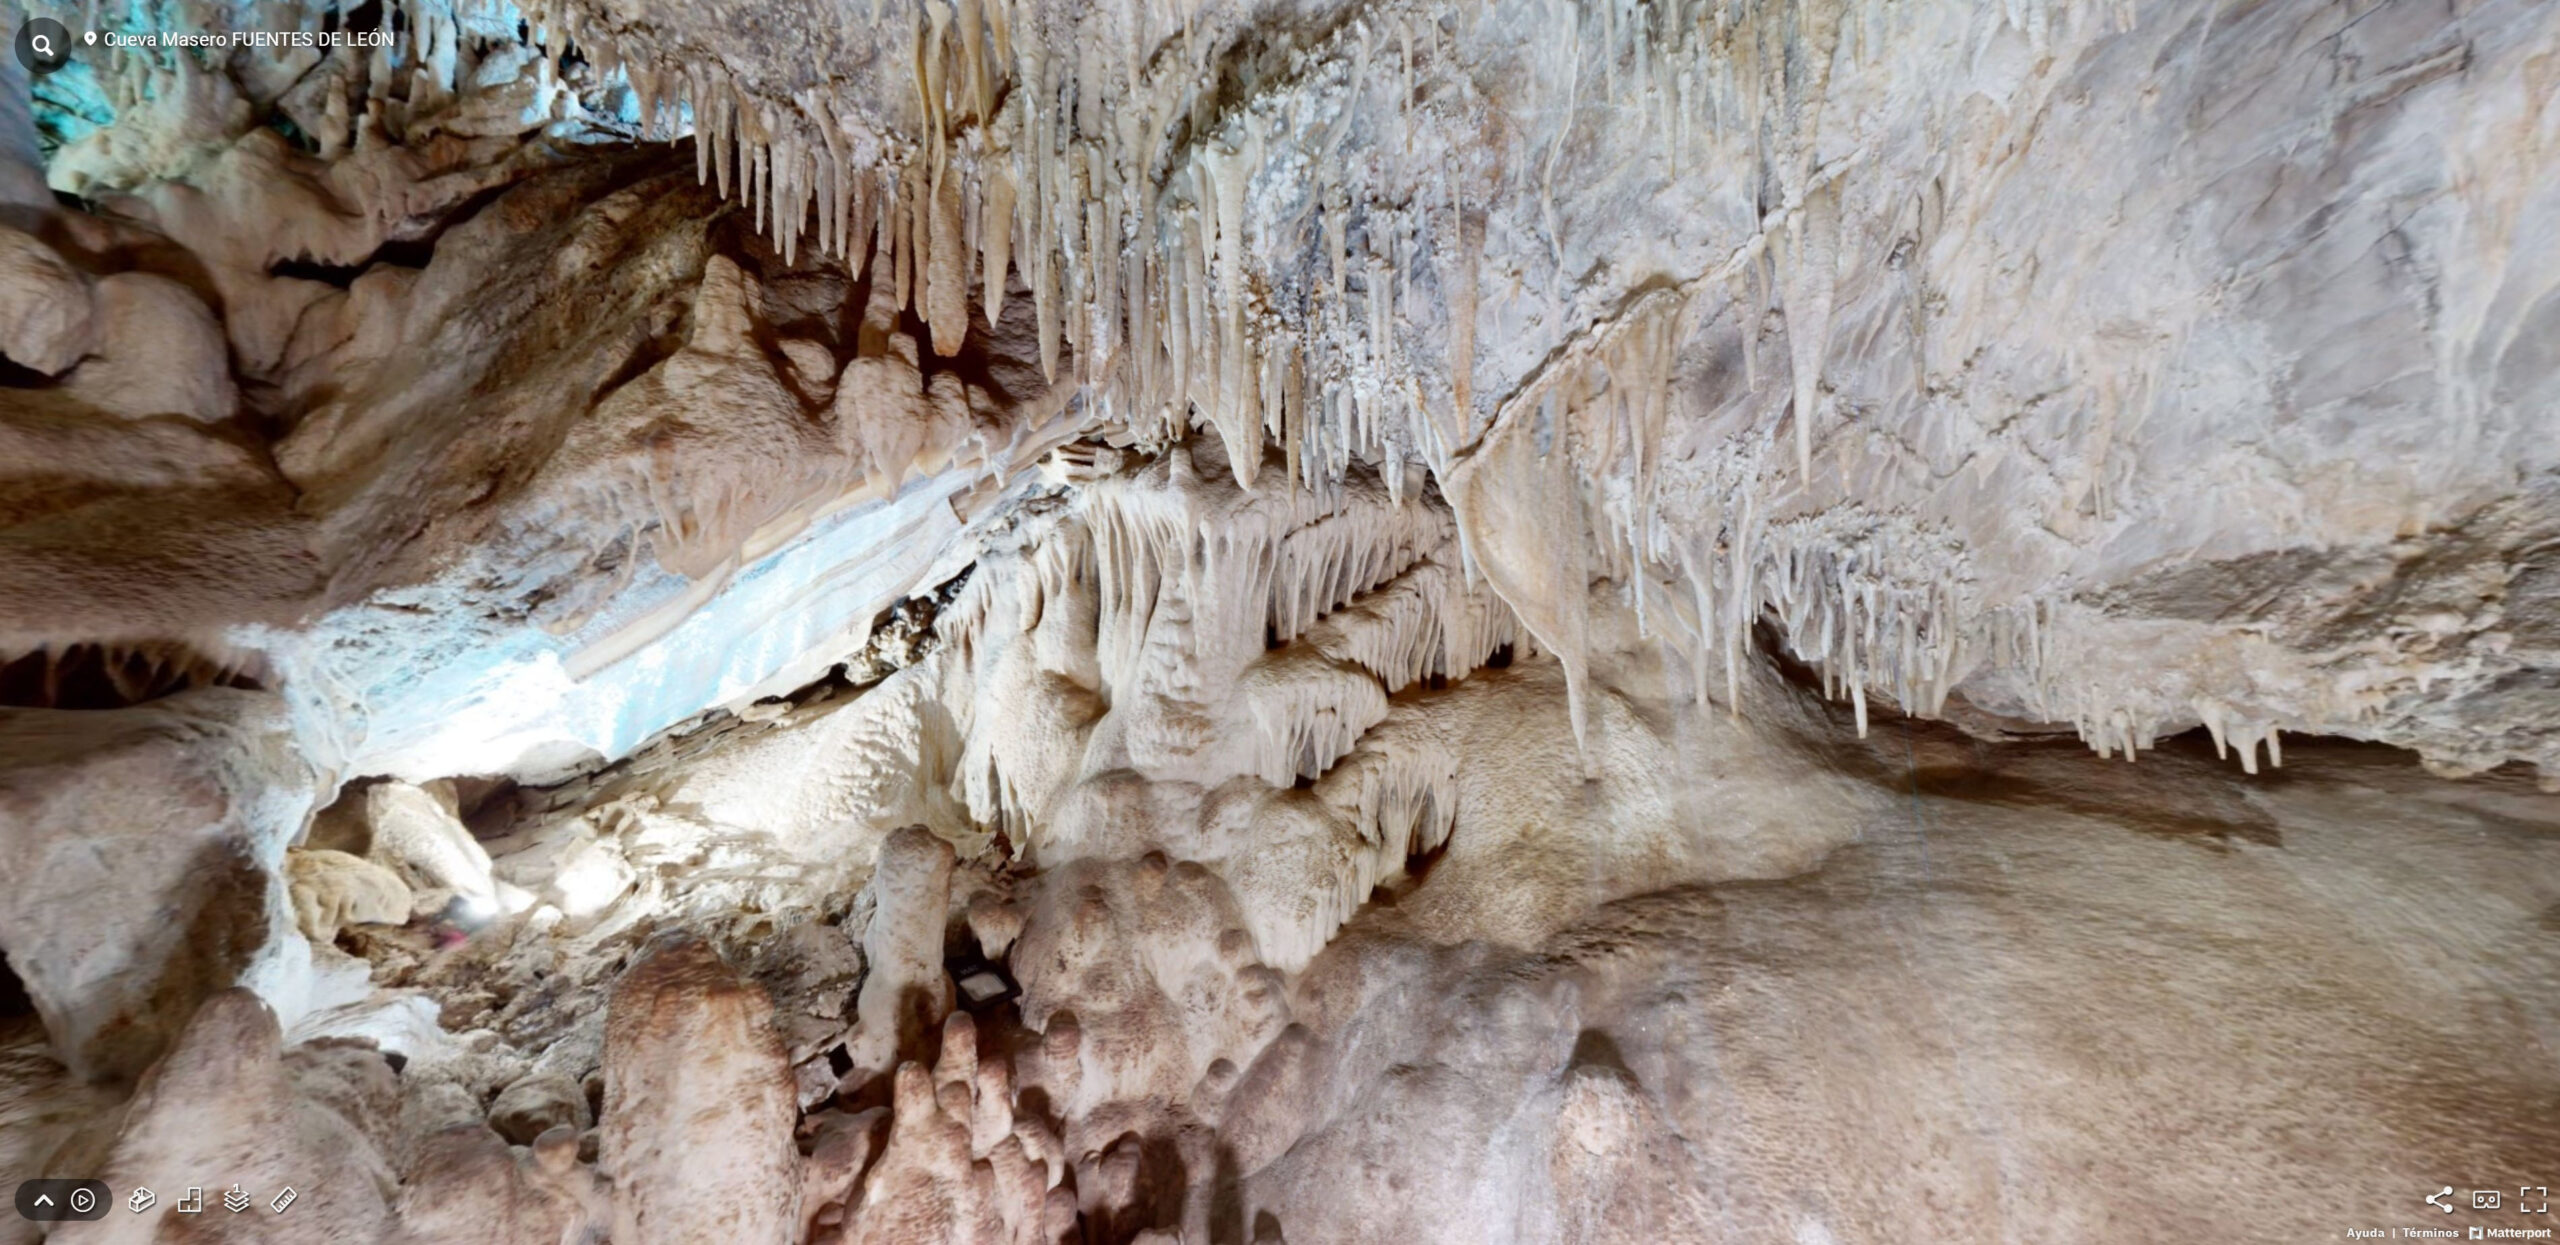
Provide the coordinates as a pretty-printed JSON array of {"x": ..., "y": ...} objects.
[{"x": 689, "y": 1068}]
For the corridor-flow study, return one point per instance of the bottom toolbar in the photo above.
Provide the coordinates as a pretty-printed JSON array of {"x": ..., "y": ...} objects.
[{"x": 61, "y": 1201}]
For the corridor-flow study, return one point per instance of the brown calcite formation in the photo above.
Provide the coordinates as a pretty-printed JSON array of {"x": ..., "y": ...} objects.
[
  {"x": 698, "y": 1108},
  {"x": 905, "y": 992}
]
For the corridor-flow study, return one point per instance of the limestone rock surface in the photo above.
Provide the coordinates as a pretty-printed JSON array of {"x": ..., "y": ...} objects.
[
  {"x": 1043, "y": 621},
  {"x": 143, "y": 867}
]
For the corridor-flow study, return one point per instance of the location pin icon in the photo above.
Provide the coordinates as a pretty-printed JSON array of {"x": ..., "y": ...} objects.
[{"x": 89, "y": 37}]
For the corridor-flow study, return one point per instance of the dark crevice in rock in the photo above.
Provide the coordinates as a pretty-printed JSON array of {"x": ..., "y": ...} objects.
[
  {"x": 114, "y": 676},
  {"x": 15, "y": 1003}
]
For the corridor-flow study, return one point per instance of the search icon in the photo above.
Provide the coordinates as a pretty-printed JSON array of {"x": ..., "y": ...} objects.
[{"x": 43, "y": 45}]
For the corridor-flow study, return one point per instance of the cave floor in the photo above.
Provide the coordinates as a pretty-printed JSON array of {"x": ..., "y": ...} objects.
[{"x": 2049, "y": 998}]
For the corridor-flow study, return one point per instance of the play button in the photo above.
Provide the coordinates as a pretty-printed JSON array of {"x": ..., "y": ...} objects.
[{"x": 54, "y": 1201}]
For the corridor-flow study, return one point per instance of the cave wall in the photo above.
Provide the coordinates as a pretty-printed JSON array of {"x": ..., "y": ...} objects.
[{"x": 1285, "y": 621}]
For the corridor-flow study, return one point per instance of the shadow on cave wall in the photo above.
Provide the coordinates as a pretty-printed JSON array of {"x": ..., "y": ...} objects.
[{"x": 2179, "y": 790}]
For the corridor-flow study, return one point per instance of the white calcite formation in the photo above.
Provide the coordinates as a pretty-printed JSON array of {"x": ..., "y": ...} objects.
[{"x": 1010, "y": 621}]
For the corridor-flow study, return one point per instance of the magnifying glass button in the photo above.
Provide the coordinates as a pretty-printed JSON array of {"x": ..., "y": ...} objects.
[{"x": 42, "y": 45}]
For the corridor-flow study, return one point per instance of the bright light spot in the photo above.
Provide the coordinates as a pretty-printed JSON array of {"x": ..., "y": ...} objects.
[{"x": 591, "y": 880}]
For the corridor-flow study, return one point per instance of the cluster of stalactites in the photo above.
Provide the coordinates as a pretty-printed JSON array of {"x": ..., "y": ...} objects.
[
  {"x": 1040, "y": 159},
  {"x": 1126, "y": 204},
  {"x": 1396, "y": 792},
  {"x": 1426, "y": 623},
  {"x": 114, "y": 675},
  {"x": 1866, "y": 602},
  {"x": 1119, "y": 195},
  {"x": 1309, "y": 612},
  {"x": 1265, "y": 563},
  {"x": 1312, "y": 702},
  {"x": 1865, "y": 613}
]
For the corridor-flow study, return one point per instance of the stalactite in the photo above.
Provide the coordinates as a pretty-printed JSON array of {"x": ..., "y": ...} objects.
[
  {"x": 1044, "y": 293},
  {"x": 995, "y": 236},
  {"x": 1468, "y": 237},
  {"x": 724, "y": 111},
  {"x": 1229, "y": 169},
  {"x": 901, "y": 232},
  {"x": 973, "y": 54},
  {"x": 1811, "y": 266},
  {"x": 929, "y": 72},
  {"x": 946, "y": 292}
]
